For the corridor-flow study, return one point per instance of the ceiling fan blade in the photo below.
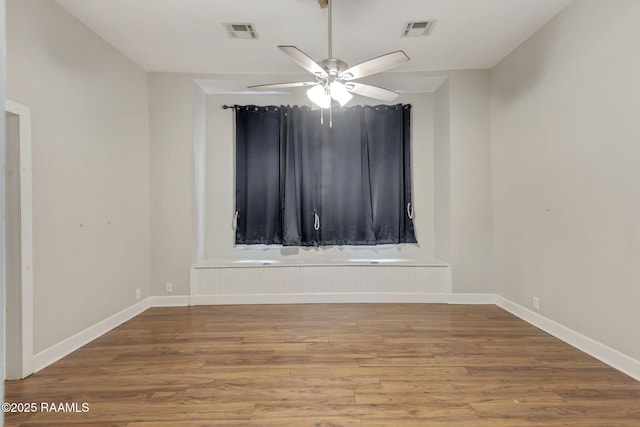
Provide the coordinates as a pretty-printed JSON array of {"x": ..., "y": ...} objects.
[
  {"x": 283, "y": 85},
  {"x": 302, "y": 59},
  {"x": 371, "y": 91},
  {"x": 375, "y": 65}
]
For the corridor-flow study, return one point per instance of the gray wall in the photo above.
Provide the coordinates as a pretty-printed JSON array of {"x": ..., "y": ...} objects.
[
  {"x": 442, "y": 173},
  {"x": 471, "y": 222},
  {"x": 566, "y": 168},
  {"x": 173, "y": 247},
  {"x": 89, "y": 108}
]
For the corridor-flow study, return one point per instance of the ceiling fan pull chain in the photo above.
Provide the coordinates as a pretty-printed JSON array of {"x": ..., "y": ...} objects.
[{"x": 330, "y": 117}]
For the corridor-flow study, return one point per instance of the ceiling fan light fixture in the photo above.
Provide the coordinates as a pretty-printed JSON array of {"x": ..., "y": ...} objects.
[
  {"x": 340, "y": 93},
  {"x": 319, "y": 96}
]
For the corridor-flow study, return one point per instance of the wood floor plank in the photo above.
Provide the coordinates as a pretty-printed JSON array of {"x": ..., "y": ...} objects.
[
  {"x": 274, "y": 422},
  {"x": 349, "y": 365}
]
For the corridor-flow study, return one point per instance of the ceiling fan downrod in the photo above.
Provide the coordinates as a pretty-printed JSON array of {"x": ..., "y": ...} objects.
[{"x": 329, "y": 2}]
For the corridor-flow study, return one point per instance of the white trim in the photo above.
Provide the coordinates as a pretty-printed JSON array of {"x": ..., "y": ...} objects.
[
  {"x": 471, "y": 298},
  {"x": 71, "y": 344},
  {"x": 318, "y": 298},
  {"x": 168, "y": 301},
  {"x": 602, "y": 352},
  {"x": 26, "y": 233},
  {"x": 354, "y": 262}
]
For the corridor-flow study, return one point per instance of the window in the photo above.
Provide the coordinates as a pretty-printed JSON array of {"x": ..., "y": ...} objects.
[{"x": 301, "y": 182}]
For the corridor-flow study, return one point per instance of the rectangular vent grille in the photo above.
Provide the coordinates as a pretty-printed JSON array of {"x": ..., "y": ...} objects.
[
  {"x": 418, "y": 28},
  {"x": 241, "y": 31}
]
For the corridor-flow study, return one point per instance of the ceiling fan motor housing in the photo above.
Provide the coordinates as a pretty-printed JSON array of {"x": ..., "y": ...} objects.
[{"x": 333, "y": 66}]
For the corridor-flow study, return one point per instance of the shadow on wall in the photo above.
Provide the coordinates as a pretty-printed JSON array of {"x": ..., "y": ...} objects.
[{"x": 526, "y": 69}]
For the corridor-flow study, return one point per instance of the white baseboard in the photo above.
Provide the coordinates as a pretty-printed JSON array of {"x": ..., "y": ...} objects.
[
  {"x": 308, "y": 298},
  {"x": 471, "y": 299},
  {"x": 602, "y": 352},
  {"x": 56, "y": 352},
  {"x": 71, "y": 344},
  {"x": 168, "y": 301}
]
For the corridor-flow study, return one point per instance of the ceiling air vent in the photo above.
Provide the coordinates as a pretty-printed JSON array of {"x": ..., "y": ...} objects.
[
  {"x": 241, "y": 31},
  {"x": 418, "y": 28}
]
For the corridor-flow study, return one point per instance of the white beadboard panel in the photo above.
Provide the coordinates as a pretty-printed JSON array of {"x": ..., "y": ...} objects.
[{"x": 315, "y": 283}]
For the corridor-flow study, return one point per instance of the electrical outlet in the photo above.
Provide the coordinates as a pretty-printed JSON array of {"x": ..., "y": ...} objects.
[
  {"x": 536, "y": 303},
  {"x": 169, "y": 287},
  {"x": 138, "y": 293}
]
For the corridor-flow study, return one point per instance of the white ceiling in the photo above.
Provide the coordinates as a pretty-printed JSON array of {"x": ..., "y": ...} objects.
[{"x": 188, "y": 35}]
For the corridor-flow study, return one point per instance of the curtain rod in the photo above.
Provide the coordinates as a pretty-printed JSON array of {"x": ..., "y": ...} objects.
[{"x": 227, "y": 107}]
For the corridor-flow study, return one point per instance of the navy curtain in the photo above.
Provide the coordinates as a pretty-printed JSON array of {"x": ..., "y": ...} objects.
[
  {"x": 304, "y": 139},
  {"x": 389, "y": 135},
  {"x": 258, "y": 163},
  {"x": 346, "y": 216},
  {"x": 302, "y": 182}
]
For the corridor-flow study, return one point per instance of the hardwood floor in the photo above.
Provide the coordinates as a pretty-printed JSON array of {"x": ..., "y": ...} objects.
[{"x": 329, "y": 365}]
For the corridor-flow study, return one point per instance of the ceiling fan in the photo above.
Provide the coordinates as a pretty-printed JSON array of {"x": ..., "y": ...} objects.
[{"x": 334, "y": 79}]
